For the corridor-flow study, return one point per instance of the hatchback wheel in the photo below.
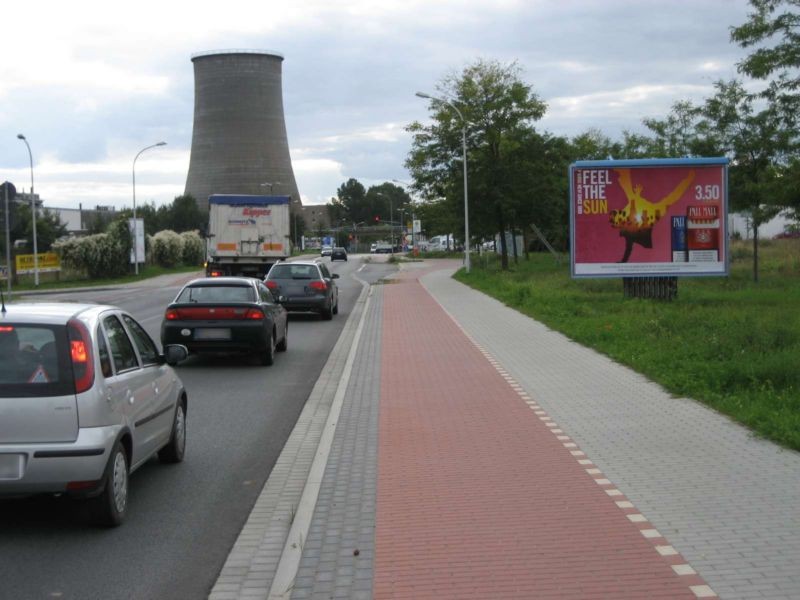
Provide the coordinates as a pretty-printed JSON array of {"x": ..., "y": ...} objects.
[
  {"x": 110, "y": 507},
  {"x": 175, "y": 450},
  {"x": 327, "y": 313}
]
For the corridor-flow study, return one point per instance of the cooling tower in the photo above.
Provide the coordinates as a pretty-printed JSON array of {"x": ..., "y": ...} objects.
[{"x": 239, "y": 137}]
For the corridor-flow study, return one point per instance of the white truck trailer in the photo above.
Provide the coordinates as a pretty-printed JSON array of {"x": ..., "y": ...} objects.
[{"x": 246, "y": 234}]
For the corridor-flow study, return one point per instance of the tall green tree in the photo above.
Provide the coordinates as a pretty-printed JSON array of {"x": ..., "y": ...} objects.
[
  {"x": 755, "y": 139},
  {"x": 184, "y": 215},
  {"x": 351, "y": 204},
  {"x": 385, "y": 199},
  {"x": 497, "y": 106},
  {"x": 773, "y": 31},
  {"x": 48, "y": 227}
]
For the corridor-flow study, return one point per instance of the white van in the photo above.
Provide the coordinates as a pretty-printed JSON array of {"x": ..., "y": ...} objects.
[{"x": 441, "y": 243}]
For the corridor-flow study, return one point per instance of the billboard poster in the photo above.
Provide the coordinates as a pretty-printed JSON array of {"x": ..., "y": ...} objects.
[
  {"x": 646, "y": 218},
  {"x": 137, "y": 233}
]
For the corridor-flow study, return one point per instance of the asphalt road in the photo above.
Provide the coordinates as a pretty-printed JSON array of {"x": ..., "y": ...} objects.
[{"x": 183, "y": 519}]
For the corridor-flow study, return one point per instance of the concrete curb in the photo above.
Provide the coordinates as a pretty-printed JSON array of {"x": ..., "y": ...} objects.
[{"x": 253, "y": 561}]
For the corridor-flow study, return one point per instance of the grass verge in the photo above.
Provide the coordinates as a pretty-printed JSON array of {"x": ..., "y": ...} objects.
[
  {"x": 728, "y": 342},
  {"x": 72, "y": 281}
]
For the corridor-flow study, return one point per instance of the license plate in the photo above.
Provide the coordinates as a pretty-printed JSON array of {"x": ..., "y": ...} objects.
[
  {"x": 212, "y": 334},
  {"x": 11, "y": 466}
]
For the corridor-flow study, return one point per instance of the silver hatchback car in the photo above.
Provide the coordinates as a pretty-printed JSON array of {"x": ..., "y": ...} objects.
[{"x": 85, "y": 399}]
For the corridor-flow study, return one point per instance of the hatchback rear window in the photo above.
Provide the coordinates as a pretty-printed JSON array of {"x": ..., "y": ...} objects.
[
  {"x": 289, "y": 271},
  {"x": 206, "y": 294},
  {"x": 34, "y": 361}
]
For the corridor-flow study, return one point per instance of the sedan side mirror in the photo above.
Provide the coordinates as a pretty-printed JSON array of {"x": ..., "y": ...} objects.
[
  {"x": 334, "y": 276},
  {"x": 175, "y": 353}
]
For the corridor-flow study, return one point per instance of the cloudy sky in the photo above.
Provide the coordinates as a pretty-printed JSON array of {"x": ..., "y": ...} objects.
[{"x": 91, "y": 83}]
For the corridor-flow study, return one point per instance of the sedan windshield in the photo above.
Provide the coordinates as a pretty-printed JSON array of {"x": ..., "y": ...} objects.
[{"x": 208, "y": 294}]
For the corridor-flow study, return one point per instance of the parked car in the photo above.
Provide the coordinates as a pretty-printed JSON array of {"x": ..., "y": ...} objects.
[
  {"x": 338, "y": 254},
  {"x": 227, "y": 314},
  {"x": 326, "y": 251},
  {"x": 85, "y": 399},
  {"x": 373, "y": 248},
  {"x": 306, "y": 286}
]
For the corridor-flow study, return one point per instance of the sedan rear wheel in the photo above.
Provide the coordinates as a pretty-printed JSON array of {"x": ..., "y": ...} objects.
[
  {"x": 268, "y": 356},
  {"x": 284, "y": 343}
]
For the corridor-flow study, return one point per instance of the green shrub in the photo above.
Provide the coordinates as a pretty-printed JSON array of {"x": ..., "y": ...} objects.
[
  {"x": 100, "y": 256},
  {"x": 167, "y": 248},
  {"x": 193, "y": 248}
]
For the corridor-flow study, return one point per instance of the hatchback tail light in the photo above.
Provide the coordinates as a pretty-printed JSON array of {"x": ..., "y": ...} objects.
[
  {"x": 273, "y": 285},
  {"x": 80, "y": 350},
  {"x": 171, "y": 315},
  {"x": 318, "y": 285}
]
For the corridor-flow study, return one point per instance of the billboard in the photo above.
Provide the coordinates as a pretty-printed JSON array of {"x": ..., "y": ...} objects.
[
  {"x": 137, "y": 233},
  {"x": 646, "y": 218}
]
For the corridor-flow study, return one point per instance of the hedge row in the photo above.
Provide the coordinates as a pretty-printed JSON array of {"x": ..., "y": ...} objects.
[{"x": 108, "y": 254}]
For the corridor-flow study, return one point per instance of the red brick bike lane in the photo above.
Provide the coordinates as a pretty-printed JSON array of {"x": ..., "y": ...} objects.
[{"x": 482, "y": 495}]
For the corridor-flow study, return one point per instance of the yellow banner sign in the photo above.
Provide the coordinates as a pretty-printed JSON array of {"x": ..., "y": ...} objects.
[{"x": 48, "y": 261}]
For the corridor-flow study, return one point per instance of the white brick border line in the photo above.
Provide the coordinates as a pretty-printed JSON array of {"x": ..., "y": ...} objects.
[{"x": 681, "y": 568}]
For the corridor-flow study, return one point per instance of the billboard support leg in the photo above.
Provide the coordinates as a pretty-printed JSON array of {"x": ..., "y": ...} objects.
[{"x": 658, "y": 288}]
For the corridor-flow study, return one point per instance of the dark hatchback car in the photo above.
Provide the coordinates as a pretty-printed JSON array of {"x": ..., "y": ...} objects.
[
  {"x": 306, "y": 286},
  {"x": 338, "y": 254},
  {"x": 227, "y": 314}
]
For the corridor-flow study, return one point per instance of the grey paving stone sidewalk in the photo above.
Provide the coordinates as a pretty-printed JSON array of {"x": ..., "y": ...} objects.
[
  {"x": 726, "y": 500},
  {"x": 251, "y": 565},
  {"x": 339, "y": 552}
]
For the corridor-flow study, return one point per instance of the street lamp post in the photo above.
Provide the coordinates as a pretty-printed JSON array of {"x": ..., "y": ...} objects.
[
  {"x": 464, "y": 149},
  {"x": 33, "y": 213},
  {"x": 135, "y": 222},
  {"x": 391, "y": 222},
  {"x": 402, "y": 212},
  {"x": 413, "y": 216}
]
